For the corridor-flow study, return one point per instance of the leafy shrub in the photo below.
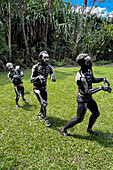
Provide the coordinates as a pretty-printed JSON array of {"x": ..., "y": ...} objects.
[
  {"x": 20, "y": 62},
  {"x": 66, "y": 61},
  {"x": 4, "y": 49},
  {"x": 102, "y": 62},
  {"x": 69, "y": 61},
  {"x": 58, "y": 63},
  {"x": 1, "y": 64}
]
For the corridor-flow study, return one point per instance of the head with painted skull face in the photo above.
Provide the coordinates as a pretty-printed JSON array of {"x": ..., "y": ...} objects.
[
  {"x": 44, "y": 57},
  {"x": 9, "y": 66},
  {"x": 84, "y": 61}
]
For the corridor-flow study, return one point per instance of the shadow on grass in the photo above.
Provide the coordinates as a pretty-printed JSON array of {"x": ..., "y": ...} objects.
[
  {"x": 56, "y": 122},
  {"x": 27, "y": 93},
  {"x": 28, "y": 106},
  {"x": 104, "y": 139}
]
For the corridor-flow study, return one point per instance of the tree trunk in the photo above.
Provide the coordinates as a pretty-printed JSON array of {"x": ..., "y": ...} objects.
[
  {"x": 47, "y": 24},
  {"x": 9, "y": 36},
  {"x": 78, "y": 34},
  {"x": 50, "y": 10},
  {"x": 81, "y": 19},
  {"x": 92, "y": 5},
  {"x": 23, "y": 30},
  {"x": 52, "y": 6}
]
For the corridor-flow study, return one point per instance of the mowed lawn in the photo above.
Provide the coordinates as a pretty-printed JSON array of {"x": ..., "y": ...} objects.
[{"x": 26, "y": 143}]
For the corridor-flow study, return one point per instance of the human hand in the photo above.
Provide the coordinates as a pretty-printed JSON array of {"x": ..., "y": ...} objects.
[
  {"x": 41, "y": 79},
  {"x": 106, "y": 88},
  {"x": 105, "y": 80},
  {"x": 16, "y": 76},
  {"x": 53, "y": 78}
]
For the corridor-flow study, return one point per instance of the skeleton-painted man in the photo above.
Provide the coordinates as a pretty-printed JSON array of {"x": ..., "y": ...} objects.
[
  {"x": 15, "y": 76},
  {"x": 38, "y": 77},
  {"x": 84, "y": 79}
]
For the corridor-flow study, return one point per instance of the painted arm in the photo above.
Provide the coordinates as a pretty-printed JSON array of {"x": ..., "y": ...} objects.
[
  {"x": 93, "y": 90},
  {"x": 33, "y": 78},
  {"x": 21, "y": 74},
  {"x": 10, "y": 77},
  {"x": 52, "y": 75},
  {"x": 97, "y": 80}
]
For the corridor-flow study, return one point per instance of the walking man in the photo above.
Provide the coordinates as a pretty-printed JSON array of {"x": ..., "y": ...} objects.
[
  {"x": 38, "y": 77},
  {"x": 84, "y": 79}
]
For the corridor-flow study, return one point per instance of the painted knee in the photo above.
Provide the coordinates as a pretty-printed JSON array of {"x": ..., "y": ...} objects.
[
  {"x": 44, "y": 104},
  {"x": 97, "y": 115},
  {"x": 42, "y": 101},
  {"x": 17, "y": 97}
]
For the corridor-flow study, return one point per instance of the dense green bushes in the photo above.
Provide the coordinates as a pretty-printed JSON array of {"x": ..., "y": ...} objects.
[
  {"x": 3, "y": 48},
  {"x": 55, "y": 29}
]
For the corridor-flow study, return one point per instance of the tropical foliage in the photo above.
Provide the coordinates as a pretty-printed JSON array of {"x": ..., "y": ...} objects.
[{"x": 51, "y": 25}]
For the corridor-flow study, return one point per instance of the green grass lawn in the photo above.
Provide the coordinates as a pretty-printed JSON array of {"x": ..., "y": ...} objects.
[{"x": 26, "y": 143}]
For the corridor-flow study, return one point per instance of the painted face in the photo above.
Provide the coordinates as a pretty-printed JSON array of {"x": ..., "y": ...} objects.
[
  {"x": 11, "y": 68},
  {"x": 45, "y": 58},
  {"x": 87, "y": 60}
]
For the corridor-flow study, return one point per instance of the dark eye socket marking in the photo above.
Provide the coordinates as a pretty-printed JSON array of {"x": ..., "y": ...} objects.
[{"x": 46, "y": 57}]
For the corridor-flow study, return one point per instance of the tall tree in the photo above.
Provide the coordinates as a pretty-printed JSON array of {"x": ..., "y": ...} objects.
[
  {"x": 23, "y": 29},
  {"x": 47, "y": 23},
  {"x": 92, "y": 6},
  {"x": 52, "y": 6},
  {"x": 80, "y": 25},
  {"x": 50, "y": 10},
  {"x": 9, "y": 36}
]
